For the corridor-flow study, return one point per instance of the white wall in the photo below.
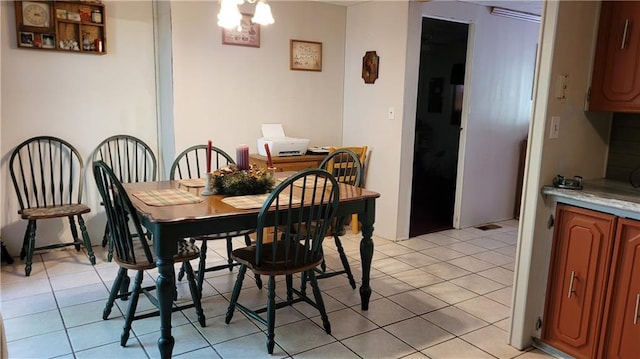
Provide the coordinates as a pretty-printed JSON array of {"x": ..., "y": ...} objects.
[
  {"x": 219, "y": 92},
  {"x": 366, "y": 105},
  {"x": 568, "y": 39},
  {"x": 224, "y": 93},
  {"x": 80, "y": 98}
]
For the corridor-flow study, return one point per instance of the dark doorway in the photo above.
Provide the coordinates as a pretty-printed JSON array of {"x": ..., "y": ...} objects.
[{"x": 443, "y": 54}]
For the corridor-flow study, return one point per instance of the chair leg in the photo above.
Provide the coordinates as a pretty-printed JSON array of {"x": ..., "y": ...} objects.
[
  {"x": 135, "y": 293},
  {"x": 117, "y": 284},
  {"x": 124, "y": 287},
  {"x": 86, "y": 240},
  {"x": 229, "y": 250},
  {"x": 195, "y": 293},
  {"x": 271, "y": 313},
  {"x": 25, "y": 241},
  {"x": 201, "y": 265},
  {"x": 74, "y": 232},
  {"x": 105, "y": 236},
  {"x": 247, "y": 241},
  {"x": 303, "y": 283},
  {"x": 319, "y": 302},
  {"x": 235, "y": 294},
  {"x": 345, "y": 262},
  {"x": 31, "y": 243},
  {"x": 289, "y": 281}
]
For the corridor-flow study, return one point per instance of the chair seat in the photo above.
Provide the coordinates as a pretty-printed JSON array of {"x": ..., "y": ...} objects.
[
  {"x": 55, "y": 211},
  {"x": 186, "y": 252},
  {"x": 224, "y": 235},
  {"x": 247, "y": 256}
]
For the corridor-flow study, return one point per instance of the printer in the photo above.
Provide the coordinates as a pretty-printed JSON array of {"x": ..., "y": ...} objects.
[{"x": 279, "y": 144}]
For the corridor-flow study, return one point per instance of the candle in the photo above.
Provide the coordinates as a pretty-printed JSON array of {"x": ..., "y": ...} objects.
[
  {"x": 269, "y": 160},
  {"x": 209, "y": 157},
  {"x": 242, "y": 157}
]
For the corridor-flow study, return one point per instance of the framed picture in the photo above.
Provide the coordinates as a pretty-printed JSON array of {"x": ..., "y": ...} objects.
[
  {"x": 61, "y": 14},
  {"x": 26, "y": 39},
  {"x": 370, "y": 63},
  {"x": 248, "y": 34},
  {"x": 74, "y": 16},
  {"x": 48, "y": 41},
  {"x": 305, "y": 55}
]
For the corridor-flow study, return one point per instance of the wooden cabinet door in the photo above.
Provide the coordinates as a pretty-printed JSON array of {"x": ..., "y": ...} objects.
[
  {"x": 615, "y": 85},
  {"x": 623, "y": 334},
  {"x": 576, "y": 288}
]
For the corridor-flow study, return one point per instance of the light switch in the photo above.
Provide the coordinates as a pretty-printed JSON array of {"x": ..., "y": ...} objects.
[{"x": 392, "y": 113}]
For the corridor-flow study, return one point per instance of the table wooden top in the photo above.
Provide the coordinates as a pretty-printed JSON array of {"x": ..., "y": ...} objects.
[{"x": 212, "y": 206}]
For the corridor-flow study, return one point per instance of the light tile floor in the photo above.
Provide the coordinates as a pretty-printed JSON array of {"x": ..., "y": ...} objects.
[{"x": 441, "y": 295}]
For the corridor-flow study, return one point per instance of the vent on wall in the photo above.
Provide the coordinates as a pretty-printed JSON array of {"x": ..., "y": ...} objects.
[{"x": 513, "y": 14}]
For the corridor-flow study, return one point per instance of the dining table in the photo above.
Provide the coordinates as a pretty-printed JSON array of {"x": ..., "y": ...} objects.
[{"x": 173, "y": 210}]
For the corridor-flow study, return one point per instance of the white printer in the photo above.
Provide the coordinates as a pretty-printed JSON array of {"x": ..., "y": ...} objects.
[{"x": 279, "y": 144}]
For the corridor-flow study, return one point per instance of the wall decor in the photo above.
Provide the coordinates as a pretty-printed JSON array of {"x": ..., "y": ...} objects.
[
  {"x": 61, "y": 25},
  {"x": 36, "y": 14},
  {"x": 370, "y": 65},
  {"x": 248, "y": 33},
  {"x": 26, "y": 39},
  {"x": 305, "y": 55}
]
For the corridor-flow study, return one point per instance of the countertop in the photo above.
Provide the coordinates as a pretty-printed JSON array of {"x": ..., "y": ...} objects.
[{"x": 604, "y": 195}]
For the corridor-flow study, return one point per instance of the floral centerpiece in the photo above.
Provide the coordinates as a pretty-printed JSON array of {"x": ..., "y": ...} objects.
[{"x": 233, "y": 181}]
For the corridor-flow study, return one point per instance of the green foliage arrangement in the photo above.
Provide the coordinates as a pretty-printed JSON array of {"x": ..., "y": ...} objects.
[{"x": 235, "y": 182}]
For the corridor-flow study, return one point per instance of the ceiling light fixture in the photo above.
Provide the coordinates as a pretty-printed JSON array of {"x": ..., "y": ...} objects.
[
  {"x": 230, "y": 17},
  {"x": 513, "y": 14}
]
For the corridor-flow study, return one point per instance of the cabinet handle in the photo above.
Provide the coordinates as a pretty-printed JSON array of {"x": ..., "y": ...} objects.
[
  {"x": 635, "y": 315},
  {"x": 624, "y": 34},
  {"x": 573, "y": 276}
]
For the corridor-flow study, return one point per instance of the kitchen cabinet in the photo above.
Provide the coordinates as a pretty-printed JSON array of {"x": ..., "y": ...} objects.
[
  {"x": 288, "y": 163},
  {"x": 622, "y": 339},
  {"x": 581, "y": 256},
  {"x": 615, "y": 84}
]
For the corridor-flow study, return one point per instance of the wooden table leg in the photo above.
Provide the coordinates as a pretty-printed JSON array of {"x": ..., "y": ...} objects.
[
  {"x": 166, "y": 289},
  {"x": 366, "y": 250}
]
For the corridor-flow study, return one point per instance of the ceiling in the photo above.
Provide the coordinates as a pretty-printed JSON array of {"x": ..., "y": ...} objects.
[{"x": 528, "y": 6}]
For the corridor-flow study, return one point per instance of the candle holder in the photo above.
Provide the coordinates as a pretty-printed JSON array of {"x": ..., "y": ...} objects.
[{"x": 209, "y": 184}]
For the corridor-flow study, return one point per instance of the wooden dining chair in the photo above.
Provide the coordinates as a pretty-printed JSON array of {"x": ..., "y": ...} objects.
[
  {"x": 362, "y": 152},
  {"x": 293, "y": 246},
  {"x": 346, "y": 167},
  {"x": 131, "y": 160},
  {"x": 189, "y": 164},
  {"x": 133, "y": 251},
  {"x": 48, "y": 177}
]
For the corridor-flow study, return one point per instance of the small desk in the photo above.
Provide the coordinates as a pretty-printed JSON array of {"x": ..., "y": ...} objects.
[
  {"x": 170, "y": 223},
  {"x": 288, "y": 163}
]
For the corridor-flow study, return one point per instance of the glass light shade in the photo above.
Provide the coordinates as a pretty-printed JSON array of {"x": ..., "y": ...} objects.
[
  {"x": 263, "y": 14},
  {"x": 229, "y": 16}
]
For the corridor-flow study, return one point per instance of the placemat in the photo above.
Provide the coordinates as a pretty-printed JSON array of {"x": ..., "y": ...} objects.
[
  {"x": 255, "y": 200},
  {"x": 192, "y": 182},
  {"x": 310, "y": 182},
  {"x": 167, "y": 197}
]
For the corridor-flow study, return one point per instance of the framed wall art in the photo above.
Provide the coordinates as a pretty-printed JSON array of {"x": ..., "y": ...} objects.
[
  {"x": 370, "y": 64},
  {"x": 305, "y": 55},
  {"x": 248, "y": 34}
]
